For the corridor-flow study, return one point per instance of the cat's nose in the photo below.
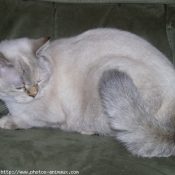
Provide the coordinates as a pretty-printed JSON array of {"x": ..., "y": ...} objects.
[{"x": 32, "y": 91}]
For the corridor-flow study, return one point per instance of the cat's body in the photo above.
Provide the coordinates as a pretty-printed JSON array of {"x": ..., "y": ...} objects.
[{"x": 75, "y": 86}]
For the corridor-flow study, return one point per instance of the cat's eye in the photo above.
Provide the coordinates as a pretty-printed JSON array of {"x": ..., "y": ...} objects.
[
  {"x": 20, "y": 88},
  {"x": 39, "y": 81}
]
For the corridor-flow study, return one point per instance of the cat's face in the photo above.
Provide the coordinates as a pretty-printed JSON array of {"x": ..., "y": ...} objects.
[{"x": 24, "y": 73}]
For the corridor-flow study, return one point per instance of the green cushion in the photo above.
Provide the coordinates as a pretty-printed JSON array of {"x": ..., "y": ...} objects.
[
  {"x": 52, "y": 149},
  {"x": 112, "y": 1}
]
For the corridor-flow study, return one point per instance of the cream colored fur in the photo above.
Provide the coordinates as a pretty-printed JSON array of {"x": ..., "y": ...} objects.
[{"x": 67, "y": 73}]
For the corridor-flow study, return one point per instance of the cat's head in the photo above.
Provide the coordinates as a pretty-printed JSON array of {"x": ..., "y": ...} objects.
[{"x": 24, "y": 72}]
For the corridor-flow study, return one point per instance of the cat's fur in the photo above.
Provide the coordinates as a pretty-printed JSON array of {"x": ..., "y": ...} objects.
[{"x": 103, "y": 81}]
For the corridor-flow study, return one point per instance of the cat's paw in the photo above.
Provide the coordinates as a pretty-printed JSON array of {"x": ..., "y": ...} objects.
[
  {"x": 89, "y": 133},
  {"x": 7, "y": 123}
]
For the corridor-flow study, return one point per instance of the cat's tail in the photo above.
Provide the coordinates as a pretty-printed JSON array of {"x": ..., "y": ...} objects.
[{"x": 135, "y": 126}]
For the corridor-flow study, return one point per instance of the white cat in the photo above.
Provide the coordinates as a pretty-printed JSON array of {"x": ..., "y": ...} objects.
[{"x": 104, "y": 81}]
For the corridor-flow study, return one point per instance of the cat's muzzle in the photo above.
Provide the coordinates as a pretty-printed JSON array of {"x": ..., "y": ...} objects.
[{"x": 33, "y": 91}]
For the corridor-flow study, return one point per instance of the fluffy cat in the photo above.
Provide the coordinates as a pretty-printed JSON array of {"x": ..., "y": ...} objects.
[{"x": 103, "y": 81}]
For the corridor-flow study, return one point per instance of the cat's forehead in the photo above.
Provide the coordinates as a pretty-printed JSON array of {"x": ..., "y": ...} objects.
[
  {"x": 19, "y": 52},
  {"x": 16, "y": 47}
]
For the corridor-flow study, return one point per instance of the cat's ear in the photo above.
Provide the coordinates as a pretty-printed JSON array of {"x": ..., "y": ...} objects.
[
  {"x": 4, "y": 62},
  {"x": 40, "y": 45}
]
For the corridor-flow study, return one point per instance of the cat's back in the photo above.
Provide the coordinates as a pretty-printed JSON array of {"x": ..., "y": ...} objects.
[
  {"x": 107, "y": 34},
  {"x": 121, "y": 42},
  {"x": 95, "y": 44},
  {"x": 107, "y": 41},
  {"x": 80, "y": 61}
]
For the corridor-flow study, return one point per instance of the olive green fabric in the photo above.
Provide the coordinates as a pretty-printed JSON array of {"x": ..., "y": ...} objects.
[
  {"x": 55, "y": 150},
  {"x": 112, "y": 1}
]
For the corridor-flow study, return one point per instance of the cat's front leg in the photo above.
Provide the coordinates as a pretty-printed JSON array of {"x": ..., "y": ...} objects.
[
  {"x": 14, "y": 122},
  {"x": 7, "y": 122}
]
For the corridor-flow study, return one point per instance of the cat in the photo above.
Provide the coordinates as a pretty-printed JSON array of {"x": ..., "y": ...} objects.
[{"x": 104, "y": 81}]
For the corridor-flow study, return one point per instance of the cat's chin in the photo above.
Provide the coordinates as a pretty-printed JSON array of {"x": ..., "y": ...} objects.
[
  {"x": 28, "y": 99},
  {"x": 24, "y": 99}
]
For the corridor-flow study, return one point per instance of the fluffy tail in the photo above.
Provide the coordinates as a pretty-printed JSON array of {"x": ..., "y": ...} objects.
[{"x": 139, "y": 130}]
